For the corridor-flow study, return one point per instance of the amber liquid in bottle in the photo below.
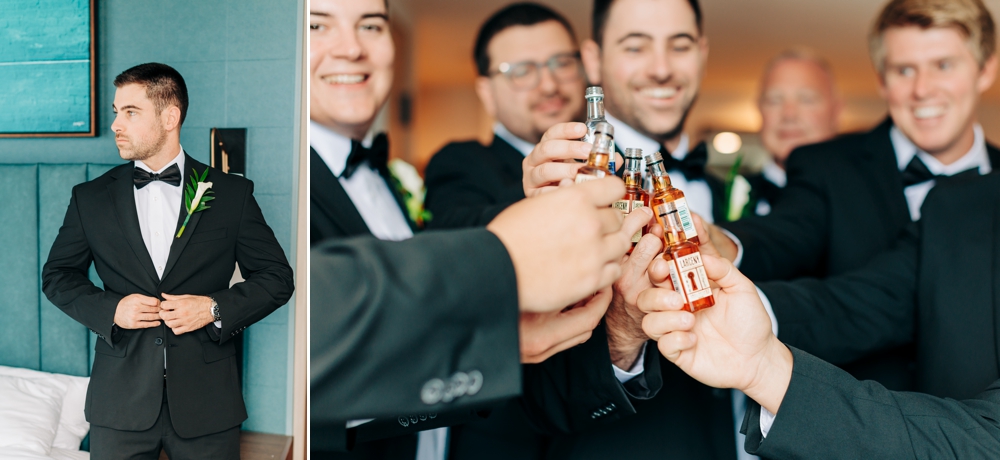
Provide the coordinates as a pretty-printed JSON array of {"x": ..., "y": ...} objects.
[
  {"x": 597, "y": 164},
  {"x": 635, "y": 196},
  {"x": 687, "y": 271},
  {"x": 664, "y": 192}
]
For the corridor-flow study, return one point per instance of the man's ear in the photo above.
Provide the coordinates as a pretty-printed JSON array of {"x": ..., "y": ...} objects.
[
  {"x": 590, "y": 53},
  {"x": 988, "y": 75},
  {"x": 171, "y": 118},
  {"x": 484, "y": 89}
]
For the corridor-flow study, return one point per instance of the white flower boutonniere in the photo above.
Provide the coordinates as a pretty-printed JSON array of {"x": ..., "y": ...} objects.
[
  {"x": 409, "y": 184},
  {"x": 737, "y": 192},
  {"x": 196, "y": 194}
]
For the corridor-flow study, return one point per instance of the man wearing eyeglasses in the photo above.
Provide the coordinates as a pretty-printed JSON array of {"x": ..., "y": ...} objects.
[{"x": 530, "y": 79}]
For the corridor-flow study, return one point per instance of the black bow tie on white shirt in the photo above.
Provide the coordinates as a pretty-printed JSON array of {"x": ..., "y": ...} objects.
[
  {"x": 171, "y": 175},
  {"x": 692, "y": 166},
  {"x": 377, "y": 156},
  {"x": 916, "y": 172}
]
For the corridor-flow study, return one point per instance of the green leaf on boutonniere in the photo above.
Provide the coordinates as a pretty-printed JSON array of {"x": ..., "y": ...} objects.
[{"x": 196, "y": 194}]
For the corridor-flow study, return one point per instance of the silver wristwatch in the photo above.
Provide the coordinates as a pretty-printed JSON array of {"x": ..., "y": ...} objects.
[{"x": 215, "y": 310}]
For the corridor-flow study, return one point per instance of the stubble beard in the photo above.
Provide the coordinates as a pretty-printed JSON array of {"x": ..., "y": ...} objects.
[{"x": 144, "y": 150}]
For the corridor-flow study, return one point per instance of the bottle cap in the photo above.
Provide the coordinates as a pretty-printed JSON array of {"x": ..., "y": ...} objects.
[
  {"x": 635, "y": 154},
  {"x": 594, "y": 91}
]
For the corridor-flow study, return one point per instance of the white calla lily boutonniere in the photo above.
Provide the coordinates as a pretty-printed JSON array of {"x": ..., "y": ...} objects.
[
  {"x": 196, "y": 194},
  {"x": 737, "y": 192},
  {"x": 409, "y": 184}
]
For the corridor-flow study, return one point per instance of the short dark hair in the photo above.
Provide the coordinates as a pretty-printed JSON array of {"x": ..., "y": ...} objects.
[
  {"x": 518, "y": 14},
  {"x": 603, "y": 7},
  {"x": 164, "y": 85}
]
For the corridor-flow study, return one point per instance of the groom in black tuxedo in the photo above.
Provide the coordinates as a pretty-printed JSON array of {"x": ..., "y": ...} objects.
[{"x": 164, "y": 374}]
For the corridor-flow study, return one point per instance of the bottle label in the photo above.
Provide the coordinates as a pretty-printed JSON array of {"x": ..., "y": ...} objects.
[
  {"x": 685, "y": 215},
  {"x": 581, "y": 178},
  {"x": 627, "y": 206},
  {"x": 689, "y": 272}
]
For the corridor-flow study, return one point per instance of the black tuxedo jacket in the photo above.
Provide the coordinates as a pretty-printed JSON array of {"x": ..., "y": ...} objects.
[
  {"x": 761, "y": 190},
  {"x": 468, "y": 184},
  {"x": 843, "y": 204},
  {"x": 127, "y": 380},
  {"x": 937, "y": 290},
  {"x": 332, "y": 213},
  {"x": 827, "y": 414},
  {"x": 335, "y": 217}
]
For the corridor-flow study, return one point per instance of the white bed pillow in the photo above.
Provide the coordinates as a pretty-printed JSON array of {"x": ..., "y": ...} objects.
[
  {"x": 73, "y": 426},
  {"x": 29, "y": 413}
]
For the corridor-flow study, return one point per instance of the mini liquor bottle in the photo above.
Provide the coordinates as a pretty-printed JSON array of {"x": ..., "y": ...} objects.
[
  {"x": 595, "y": 115},
  {"x": 635, "y": 196},
  {"x": 597, "y": 164},
  {"x": 687, "y": 272},
  {"x": 664, "y": 192}
]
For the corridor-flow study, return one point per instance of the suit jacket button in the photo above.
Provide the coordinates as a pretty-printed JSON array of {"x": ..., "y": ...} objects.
[
  {"x": 158, "y": 341},
  {"x": 475, "y": 382},
  {"x": 433, "y": 391},
  {"x": 403, "y": 421}
]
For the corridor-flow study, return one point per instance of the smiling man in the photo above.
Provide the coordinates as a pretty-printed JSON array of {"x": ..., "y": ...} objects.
[
  {"x": 530, "y": 79},
  {"x": 166, "y": 317}
]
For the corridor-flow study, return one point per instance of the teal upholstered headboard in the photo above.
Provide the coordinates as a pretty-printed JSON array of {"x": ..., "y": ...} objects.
[{"x": 33, "y": 332}]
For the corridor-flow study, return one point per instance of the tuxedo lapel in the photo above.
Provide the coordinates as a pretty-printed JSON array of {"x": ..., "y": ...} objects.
[
  {"x": 400, "y": 200},
  {"x": 123, "y": 197},
  {"x": 329, "y": 196},
  {"x": 178, "y": 244},
  {"x": 508, "y": 159},
  {"x": 881, "y": 172},
  {"x": 996, "y": 276}
]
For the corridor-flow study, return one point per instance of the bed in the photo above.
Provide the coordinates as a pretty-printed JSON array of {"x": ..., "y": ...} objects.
[{"x": 41, "y": 415}]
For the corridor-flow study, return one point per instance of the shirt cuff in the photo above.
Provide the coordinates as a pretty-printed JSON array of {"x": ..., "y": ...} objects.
[
  {"x": 637, "y": 368},
  {"x": 766, "y": 420},
  {"x": 218, "y": 324},
  {"x": 739, "y": 247},
  {"x": 770, "y": 312},
  {"x": 354, "y": 423}
]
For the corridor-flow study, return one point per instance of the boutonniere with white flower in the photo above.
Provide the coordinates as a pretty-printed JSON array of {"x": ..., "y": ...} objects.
[
  {"x": 737, "y": 192},
  {"x": 196, "y": 194},
  {"x": 409, "y": 184}
]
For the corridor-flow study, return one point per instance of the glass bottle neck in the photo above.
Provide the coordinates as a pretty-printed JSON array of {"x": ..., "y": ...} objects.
[
  {"x": 660, "y": 178},
  {"x": 632, "y": 175},
  {"x": 595, "y": 109}
]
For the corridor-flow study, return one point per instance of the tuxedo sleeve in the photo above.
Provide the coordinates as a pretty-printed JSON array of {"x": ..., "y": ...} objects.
[
  {"x": 791, "y": 240},
  {"x": 843, "y": 318},
  {"x": 826, "y": 413},
  {"x": 460, "y": 193},
  {"x": 577, "y": 389},
  {"x": 66, "y": 284},
  {"x": 268, "y": 281},
  {"x": 424, "y": 325}
]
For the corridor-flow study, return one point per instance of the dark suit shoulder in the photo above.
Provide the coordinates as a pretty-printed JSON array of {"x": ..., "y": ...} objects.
[
  {"x": 457, "y": 153},
  {"x": 958, "y": 192},
  {"x": 101, "y": 182},
  {"x": 846, "y": 147}
]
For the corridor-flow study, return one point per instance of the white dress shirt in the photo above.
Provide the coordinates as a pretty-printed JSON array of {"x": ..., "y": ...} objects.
[
  {"x": 776, "y": 175},
  {"x": 378, "y": 207},
  {"x": 905, "y": 149}
]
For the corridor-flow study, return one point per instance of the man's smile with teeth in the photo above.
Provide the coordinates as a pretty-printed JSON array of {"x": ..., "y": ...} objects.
[
  {"x": 345, "y": 79},
  {"x": 928, "y": 112},
  {"x": 659, "y": 92}
]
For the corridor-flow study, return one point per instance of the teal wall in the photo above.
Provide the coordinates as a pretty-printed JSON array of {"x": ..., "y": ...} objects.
[{"x": 241, "y": 61}]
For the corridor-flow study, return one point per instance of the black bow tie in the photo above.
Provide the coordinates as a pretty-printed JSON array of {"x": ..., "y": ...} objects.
[
  {"x": 377, "y": 156},
  {"x": 692, "y": 166},
  {"x": 916, "y": 172},
  {"x": 171, "y": 175}
]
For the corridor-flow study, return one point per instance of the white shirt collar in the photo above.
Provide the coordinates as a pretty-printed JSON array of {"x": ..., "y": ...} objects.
[
  {"x": 519, "y": 144},
  {"x": 773, "y": 173},
  {"x": 178, "y": 160},
  {"x": 977, "y": 156},
  {"x": 332, "y": 147},
  {"x": 627, "y": 137}
]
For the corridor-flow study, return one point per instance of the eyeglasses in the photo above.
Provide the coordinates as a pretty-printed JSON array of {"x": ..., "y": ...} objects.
[{"x": 526, "y": 75}]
